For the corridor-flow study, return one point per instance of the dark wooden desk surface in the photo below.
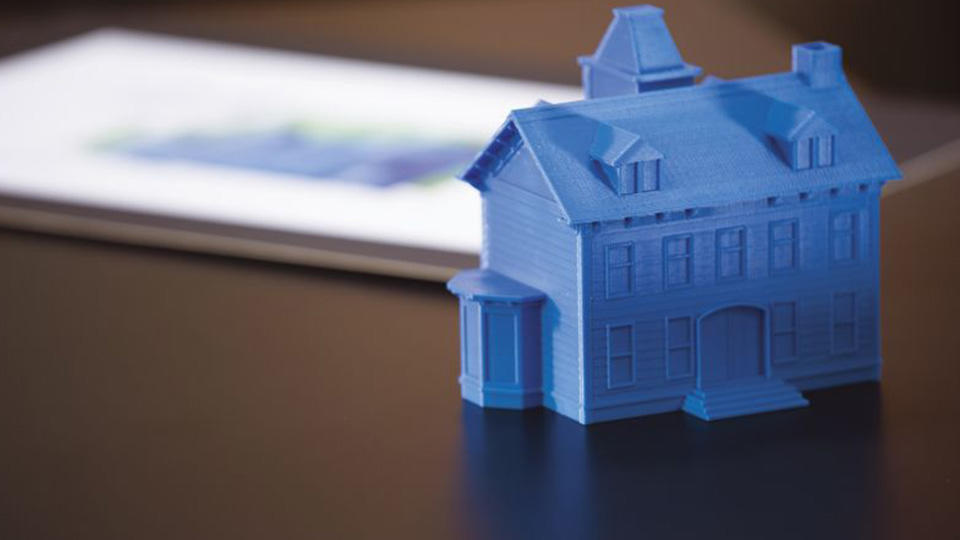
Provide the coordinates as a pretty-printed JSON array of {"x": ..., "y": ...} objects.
[{"x": 150, "y": 394}]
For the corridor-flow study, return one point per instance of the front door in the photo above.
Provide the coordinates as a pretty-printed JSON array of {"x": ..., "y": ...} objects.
[{"x": 731, "y": 345}]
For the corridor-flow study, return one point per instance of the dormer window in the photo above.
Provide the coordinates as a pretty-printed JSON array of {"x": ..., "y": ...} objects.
[
  {"x": 814, "y": 152},
  {"x": 804, "y": 154},
  {"x": 626, "y": 163},
  {"x": 650, "y": 175},
  {"x": 804, "y": 139},
  {"x": 640, "y": 176},
  {"x": 628, "y": 178},
  {"x": 824, "y": 150}
]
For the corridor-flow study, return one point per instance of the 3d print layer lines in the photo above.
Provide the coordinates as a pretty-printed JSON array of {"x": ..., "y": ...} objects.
[{"x": 666, "y": 245}]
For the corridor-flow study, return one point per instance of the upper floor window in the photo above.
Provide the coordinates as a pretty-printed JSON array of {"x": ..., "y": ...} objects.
[
  {"x": 620, "y": 266},
  {"x": 620, "y": 356},
  {"x": 678, "y": 260},
  {"x": 844, "y": 236},
  {"x": 784, "y": 245},
  {"x": 731, "y": 253}
]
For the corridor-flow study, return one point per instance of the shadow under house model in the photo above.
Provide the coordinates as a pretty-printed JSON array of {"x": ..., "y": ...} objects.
[{"x": 666, "y": 245}]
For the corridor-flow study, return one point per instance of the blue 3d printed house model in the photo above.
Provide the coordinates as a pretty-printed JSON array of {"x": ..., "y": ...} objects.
[{"x": 666, "y": 245}]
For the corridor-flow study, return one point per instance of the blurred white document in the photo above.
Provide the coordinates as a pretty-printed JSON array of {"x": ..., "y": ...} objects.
[{"x": 209, "y": 147}]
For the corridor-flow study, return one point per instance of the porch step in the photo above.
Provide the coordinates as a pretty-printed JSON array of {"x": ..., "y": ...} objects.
[{"x": 761, "y": 395}]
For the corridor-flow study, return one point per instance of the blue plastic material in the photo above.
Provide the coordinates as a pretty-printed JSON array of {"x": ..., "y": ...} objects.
[
  {"x": 711, "y": 248},
  {"x": 636, "y": 54},
  {"x": 500, "y": 340}
]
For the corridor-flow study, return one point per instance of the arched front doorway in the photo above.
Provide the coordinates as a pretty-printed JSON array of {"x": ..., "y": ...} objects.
[{"x": 731, "y": 345}]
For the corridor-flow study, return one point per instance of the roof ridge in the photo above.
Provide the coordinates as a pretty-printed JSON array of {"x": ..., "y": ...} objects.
[{"x": 771, "y": 81}]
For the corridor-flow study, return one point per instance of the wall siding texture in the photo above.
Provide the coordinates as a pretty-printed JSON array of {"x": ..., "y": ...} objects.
[
  {"x": 811, "y": 286},
  {"x": 525, "y": 239}
]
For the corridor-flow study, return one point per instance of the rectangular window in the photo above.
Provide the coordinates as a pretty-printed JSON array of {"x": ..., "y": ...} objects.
[
  {"x": 679, "y": 347},
  {"x": 825, "y": 151},
  {"x": 678, "y": 260},
  {"x": 499, "y": 345},
  {"x": 731, "y": 253},
  {"x": 844, "y": 322},
  {"x": 804, "y": 150},
  {"x": 620, "y": 269},
  {"x": 783, "y": 327},
  {"x": 620, "y": 356},
  {"x": 844, "y": 237},
  {"x": 650, "y": 172},
  {"x": 628, "y": 179},
  {"x": 784, "y": 246},
  {"x": 470, "y": 335}
]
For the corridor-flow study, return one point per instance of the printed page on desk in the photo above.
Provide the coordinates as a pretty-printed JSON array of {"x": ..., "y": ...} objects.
[{"x": 193, "y": 134}]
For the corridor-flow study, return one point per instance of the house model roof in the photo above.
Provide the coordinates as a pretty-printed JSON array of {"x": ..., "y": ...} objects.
[
  {"x": 615, "y": 146},
  {"x": 717, "y": 141},
  {"x": 790, "y": 122},
  {"x": 639, "y": 43}
]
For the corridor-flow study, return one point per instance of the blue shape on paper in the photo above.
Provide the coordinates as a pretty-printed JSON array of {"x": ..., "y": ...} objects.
[{"x": 369, "y": 161}]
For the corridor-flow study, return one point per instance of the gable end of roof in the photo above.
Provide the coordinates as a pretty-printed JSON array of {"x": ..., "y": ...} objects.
[{"x": 494, "y": 155}]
